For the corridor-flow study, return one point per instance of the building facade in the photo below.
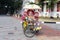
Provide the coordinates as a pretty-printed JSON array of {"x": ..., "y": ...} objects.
[
  {"x": 57, "y": 9},
  {"x": 47, "y": 12}
]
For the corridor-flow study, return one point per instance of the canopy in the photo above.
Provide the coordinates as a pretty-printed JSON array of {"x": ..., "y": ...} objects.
[{"x": 31, "y": 6}]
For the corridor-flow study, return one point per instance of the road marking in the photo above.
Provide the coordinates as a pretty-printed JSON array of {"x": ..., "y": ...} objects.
[
  {"x": 57, "y": 22},
  {"x": 42, "y": 22}
]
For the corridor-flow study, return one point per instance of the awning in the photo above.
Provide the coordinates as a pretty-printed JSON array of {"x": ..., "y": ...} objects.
[{"x": 31, "y": 6}]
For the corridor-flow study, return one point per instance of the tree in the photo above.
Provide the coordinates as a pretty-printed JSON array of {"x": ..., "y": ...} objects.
[
  {"x": 11, "y": 5},
  {"x": 41, "y": 2},
  {"x": 52, "y": 4},
  {"x": 32, "y": 3},
  {"x": 18, "y": 4}
]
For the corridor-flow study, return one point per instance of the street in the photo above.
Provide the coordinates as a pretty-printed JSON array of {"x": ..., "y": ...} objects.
[
  {"x": 11, "y": 29},
  {"x": 54, "y": 26},
  {"x": 50, "y": 32}
]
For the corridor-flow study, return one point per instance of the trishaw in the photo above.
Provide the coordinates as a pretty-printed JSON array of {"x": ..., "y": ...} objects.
[{"x": 30, "y": 27}]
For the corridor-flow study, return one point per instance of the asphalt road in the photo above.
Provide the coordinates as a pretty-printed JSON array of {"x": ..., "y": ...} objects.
[
  {"x": 49, "y": 32},
  {"x": 11, "y": 29}
]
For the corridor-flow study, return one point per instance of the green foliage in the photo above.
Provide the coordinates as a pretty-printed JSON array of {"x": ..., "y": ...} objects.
[
  {"x": 53, "y": 1},
  {"x": 18, "y": 4},
  {"x": 11, "y": 4},
  {"x": 32, "y": 3},
  {"x": 50, "y": 3}
]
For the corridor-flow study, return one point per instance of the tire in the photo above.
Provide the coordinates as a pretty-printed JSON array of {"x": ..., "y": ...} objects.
[{"x": 29, "y": 33}]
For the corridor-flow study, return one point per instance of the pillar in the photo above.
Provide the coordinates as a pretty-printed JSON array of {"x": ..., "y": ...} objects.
[
  {"x": 55, "y": 10},
  {"x": 44, "y": 9},
  {"x": 55, "y": 7}
]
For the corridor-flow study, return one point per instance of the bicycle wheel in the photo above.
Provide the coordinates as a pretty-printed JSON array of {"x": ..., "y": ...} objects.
[{"x": 29, "y": 33}]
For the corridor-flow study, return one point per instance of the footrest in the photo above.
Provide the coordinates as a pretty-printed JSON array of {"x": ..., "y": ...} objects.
[{"x": 38, "y": 28}]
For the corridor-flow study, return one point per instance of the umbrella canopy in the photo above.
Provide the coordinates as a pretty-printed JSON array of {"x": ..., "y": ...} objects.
[{"x": 31, "y": 6}]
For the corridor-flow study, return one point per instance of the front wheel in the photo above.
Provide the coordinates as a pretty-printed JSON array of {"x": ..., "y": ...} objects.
[{"x": 29, "y": 33}]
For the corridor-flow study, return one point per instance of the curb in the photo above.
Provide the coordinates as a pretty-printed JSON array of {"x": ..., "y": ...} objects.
[
  {"x": 42, "y": 21},
  {"x": 52, "y": 22}
]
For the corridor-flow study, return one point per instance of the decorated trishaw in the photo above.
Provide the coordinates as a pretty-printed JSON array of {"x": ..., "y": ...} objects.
[{"x": 31, "y": 24}]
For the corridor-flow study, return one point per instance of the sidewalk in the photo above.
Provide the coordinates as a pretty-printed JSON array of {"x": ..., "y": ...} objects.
[
  {"x": 46, "y": 19},
  {"x": 49, "y": 19}
]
